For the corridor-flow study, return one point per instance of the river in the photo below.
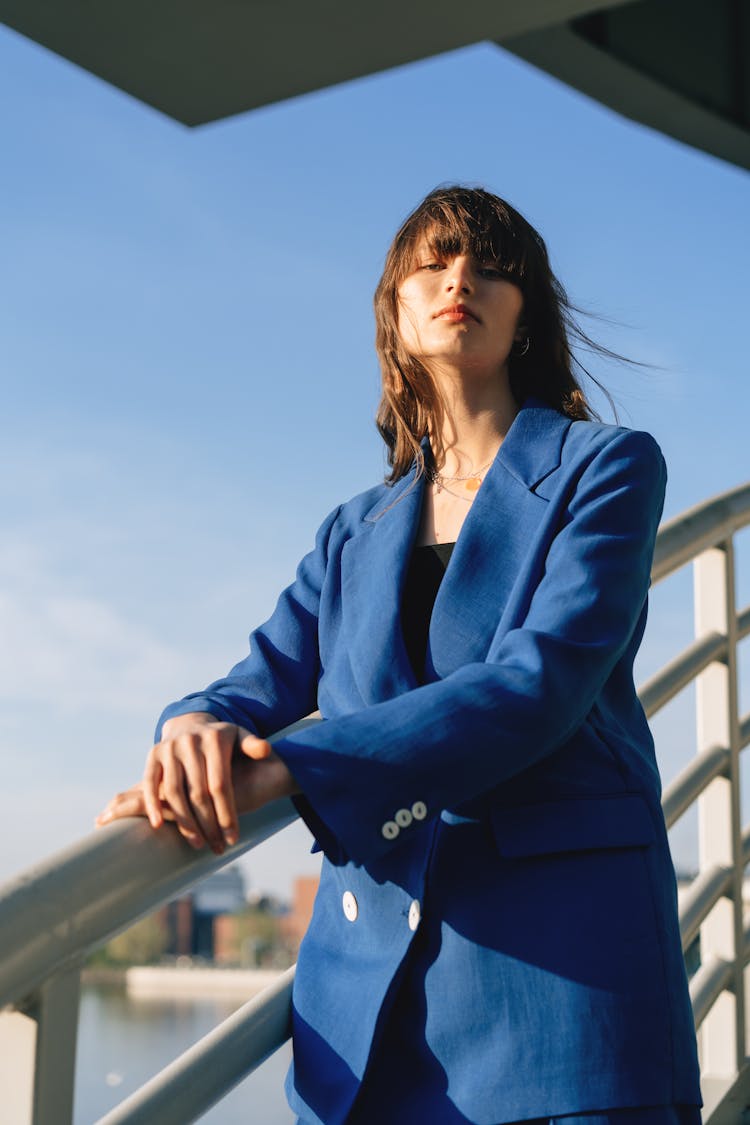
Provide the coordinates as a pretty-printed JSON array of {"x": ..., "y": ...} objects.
[{"x": 123, "y": 1041}]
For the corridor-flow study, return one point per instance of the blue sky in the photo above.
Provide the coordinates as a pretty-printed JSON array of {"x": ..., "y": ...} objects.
[{"x": 189, "y": 379}]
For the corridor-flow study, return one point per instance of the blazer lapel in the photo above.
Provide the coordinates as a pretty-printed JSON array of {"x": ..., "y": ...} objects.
[
  {"x": 495, "y": 550},
  {"x": 492, "y": 556},
  {"x": 373, "y": 570}
]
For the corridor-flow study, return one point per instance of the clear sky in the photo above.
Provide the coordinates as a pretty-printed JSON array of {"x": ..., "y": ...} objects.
[{"x": 189, "y": 378}]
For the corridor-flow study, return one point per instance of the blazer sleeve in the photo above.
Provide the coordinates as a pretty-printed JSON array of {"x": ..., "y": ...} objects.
[
  {"x": 444, "y": 743},
  {"x": 277, "y": 682}
]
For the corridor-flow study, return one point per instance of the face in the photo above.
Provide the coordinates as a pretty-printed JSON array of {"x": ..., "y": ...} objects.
[{"x": 459, "y": 313}]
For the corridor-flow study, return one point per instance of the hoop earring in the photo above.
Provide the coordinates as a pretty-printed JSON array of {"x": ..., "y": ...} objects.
[{"x": 524, "y": 347}]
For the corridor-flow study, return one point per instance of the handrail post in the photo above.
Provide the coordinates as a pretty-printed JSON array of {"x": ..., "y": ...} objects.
[
  {"x": 722, "y": 1034},
  {"x": 55, "y": 1009},
  {"x": 38, "y": 1049}
]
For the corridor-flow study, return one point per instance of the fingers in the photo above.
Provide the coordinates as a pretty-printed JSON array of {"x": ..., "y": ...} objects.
[
  {"x": 221, "y": 789},
  {"x": 127, "y": 804},
  {"x": 251, "y": 746},
  {"x": 192, "y": 772},
  {"x": 175, "y": 787},
  {"x": 152, "y": 778},
  {"x": 190, "y": 777}
]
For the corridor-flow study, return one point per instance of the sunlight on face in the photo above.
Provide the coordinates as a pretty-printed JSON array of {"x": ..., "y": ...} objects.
[{"x": 458, "y": 313}]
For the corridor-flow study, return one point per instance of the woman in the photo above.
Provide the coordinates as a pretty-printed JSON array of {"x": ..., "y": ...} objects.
[{"x": 495, "y": 936}]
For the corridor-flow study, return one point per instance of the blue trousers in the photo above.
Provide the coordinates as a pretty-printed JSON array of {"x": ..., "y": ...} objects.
[{"x": 638, "y": 1115}]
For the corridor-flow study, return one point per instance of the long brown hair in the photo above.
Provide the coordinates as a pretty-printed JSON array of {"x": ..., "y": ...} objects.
[{"x": 461, "y": 220}]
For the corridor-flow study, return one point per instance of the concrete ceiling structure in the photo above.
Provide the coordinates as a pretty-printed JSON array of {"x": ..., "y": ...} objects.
[{"x": 680, "y": 66}]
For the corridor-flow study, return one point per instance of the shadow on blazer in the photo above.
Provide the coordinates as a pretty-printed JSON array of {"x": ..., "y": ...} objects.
[{"x": 497, "y": 829}]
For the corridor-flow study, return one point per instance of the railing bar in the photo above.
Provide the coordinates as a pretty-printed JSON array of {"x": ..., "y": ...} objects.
[
  {"x": 743, "y": 624},
  {"x": 208, "y": 1070},
  {"x": 690, "y": 783},
  {"x": 744, "y": 730},
  {"x": 746, "y": 846},
  {"x": 682, "y": 538},
  {"x": 700, "y": 898},
  {"x": 678, "y": 673},
  {"x": 706, "y": 986},
  {"x": 55, "y": 914},
  {"x": 56, "y": 1014},
  {"x": 719, "y": 824}
]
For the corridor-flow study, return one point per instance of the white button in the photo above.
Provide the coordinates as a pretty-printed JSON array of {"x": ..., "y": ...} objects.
[
  {"x": 419, "y": 810},
  {"x": 390, "y": 830},
  {"x": 403, "y": 818},
  {"x": 349, "y": 903},
  {"x": 415, "y": 914}
]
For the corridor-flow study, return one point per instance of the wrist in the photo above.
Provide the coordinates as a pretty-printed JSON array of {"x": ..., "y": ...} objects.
[{"x": 179, "y": 723}]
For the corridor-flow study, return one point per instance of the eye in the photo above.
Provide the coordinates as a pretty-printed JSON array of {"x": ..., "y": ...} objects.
[
  {"x": 491, "y": 271},
  {"x": 431, "y": 266}
]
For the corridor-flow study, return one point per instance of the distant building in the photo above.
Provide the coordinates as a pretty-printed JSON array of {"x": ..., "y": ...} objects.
[
  {"x": 294, "y": 924},
  {"x": 190, "y": 919}
]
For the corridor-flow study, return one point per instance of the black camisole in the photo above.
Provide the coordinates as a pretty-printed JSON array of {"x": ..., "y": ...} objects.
[{"x": 423, "y": 578}]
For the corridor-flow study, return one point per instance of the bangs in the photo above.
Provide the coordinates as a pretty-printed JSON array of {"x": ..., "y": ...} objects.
[{"x": 480, "y": 227}]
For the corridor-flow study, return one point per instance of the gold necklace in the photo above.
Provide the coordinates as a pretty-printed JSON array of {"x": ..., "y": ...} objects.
[
  {"x": 469, "y": 499},
  {"x": 471, "y": 482}
]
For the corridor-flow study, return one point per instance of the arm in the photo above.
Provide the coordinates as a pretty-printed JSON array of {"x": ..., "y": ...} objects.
[{"x": 446, "y": 742}]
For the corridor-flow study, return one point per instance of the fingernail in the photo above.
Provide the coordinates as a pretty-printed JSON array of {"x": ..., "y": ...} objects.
[
  {"x": 103, "y": 817},
  {"x": 231, "y": 837}
]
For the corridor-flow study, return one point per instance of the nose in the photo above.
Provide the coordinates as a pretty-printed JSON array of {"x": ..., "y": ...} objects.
[{"x": 459, "y": 275}]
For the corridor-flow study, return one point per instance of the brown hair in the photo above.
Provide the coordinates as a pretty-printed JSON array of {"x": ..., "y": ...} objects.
[{"x": 461, "y": 220}]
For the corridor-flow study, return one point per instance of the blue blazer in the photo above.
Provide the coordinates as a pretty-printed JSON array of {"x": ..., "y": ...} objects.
[{"x": 494, "y": 846}]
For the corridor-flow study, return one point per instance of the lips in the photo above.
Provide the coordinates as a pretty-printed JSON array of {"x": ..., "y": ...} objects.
[{"x": 457, "y": 313}]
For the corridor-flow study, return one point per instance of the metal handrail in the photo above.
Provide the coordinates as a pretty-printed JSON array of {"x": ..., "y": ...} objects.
[
  {"x": 690, "y": 783},
  {"x": 207, "y": 1071},
  {"x": 680, "y": 671},
  {"x": 705, "y": 891},
  {"x": 58, "y": 912},
  {"x": 713, "y": 977},
  {"x": 701, "y": 527},
  {"x": 51, "y": 916}
]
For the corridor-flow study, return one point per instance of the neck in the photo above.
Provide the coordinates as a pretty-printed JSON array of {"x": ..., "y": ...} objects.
[{"x": 477, "y": 415}]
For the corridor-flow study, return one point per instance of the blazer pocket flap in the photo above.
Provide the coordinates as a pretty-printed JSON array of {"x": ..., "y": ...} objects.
[{"x": 576, "y": 824}]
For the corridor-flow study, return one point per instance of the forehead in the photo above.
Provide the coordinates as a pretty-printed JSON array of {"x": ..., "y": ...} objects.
[{"x": 451, "y": 235}]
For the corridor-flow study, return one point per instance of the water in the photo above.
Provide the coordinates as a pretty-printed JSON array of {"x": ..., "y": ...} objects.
[{"x": 124, "y": 1041}]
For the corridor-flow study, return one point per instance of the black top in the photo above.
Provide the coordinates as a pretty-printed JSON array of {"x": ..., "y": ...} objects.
[{"x": 423, "y": 578}]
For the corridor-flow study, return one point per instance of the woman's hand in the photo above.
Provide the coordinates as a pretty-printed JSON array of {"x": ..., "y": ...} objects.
[
  {"x": 128, "y": 803},
  {"x": 201, "y": 775}
]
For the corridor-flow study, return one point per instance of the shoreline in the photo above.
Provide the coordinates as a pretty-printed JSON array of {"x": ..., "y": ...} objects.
[{"x": 181, "y": 980}]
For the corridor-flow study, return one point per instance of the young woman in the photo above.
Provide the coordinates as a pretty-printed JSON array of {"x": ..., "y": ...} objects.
[{"x": 495, "y": 936}]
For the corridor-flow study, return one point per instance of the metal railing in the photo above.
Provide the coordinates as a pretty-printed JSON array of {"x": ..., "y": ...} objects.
[{"x": 54, "y": 915}]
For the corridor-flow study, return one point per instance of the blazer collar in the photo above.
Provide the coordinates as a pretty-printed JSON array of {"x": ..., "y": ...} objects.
[
  {"x": 532, "y": 449},
  {"x": 533, "y": 445}
]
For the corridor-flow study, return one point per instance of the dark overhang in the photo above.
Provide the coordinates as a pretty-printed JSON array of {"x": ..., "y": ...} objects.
[{"x": 679, "y": 66}]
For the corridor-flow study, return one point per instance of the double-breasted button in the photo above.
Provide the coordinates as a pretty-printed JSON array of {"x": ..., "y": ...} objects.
[
  {"x": 419, "y": 810},
  {"x": 351, "y": 909},
  {"x": 403, "y": 818},
  {"x": 415, "y": 915},
  {"x": 390, "y": 830}
]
